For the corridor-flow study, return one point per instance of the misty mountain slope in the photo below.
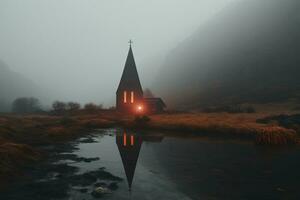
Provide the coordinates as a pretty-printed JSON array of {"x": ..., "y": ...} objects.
[
  {"x": 14, "y": 85},
  {"x": 249, "y": 52}
]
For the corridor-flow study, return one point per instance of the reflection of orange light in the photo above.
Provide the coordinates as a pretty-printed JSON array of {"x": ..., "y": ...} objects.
[
  {"x": 131, "y": 140},
  {"x": 124, "y": 139}
]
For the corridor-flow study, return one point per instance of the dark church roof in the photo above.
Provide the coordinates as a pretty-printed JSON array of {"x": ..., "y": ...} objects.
[{"x": 130, "y": 78}]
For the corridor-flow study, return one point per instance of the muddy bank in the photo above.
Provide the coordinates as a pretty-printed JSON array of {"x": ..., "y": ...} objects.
[
  {"x": 22, "y": 136},
  {"x": 15, "y": 157},
  {"x": 50, "y": 178}
]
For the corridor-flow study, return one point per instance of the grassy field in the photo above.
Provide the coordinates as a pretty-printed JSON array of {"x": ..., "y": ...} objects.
[{"x": 21, "y": 134}]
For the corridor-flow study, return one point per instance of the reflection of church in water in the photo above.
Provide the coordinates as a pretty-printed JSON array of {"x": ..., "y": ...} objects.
[{"x": 129, "y": 146}]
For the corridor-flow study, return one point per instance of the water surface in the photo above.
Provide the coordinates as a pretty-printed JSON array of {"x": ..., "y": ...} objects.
[{"x": 154, "y": 165}]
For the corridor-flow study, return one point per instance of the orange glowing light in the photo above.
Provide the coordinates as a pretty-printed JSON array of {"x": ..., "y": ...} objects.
[
  {"x": 132, "y": 97},
  {"x": 140, "y": 108},
  {"x": 124, "y": 139},
  {"x": 131, "y": 140},
  {"x": 125, "y": 97}
]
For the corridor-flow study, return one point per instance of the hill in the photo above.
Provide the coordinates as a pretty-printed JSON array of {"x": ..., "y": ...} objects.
[
  {"x": 14, "y": 85},
  {"x": 249, "y": 52}
]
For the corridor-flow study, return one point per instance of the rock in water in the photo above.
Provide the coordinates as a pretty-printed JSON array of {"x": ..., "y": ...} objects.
[{"x": 100, "y": 191}]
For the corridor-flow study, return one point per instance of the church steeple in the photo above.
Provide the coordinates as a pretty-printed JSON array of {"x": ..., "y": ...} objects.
[
  {"x": 130, "y": 42},
  {"x": 130, "y": 78},
  {"x": 129, "y": 92},
  {"x": 129, "y": 95}
]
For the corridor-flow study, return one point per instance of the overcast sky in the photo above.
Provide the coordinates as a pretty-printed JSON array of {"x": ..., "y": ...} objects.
[{"x": 77, "y": 48}]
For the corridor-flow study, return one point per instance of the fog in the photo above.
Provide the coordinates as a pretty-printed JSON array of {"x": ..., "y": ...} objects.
[
  {"x": 247, "y": 53},
  {"x": 76, "y": 50}
]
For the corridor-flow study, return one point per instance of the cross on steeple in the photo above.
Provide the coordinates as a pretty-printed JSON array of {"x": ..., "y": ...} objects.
[{"x": 130, "y": 42}]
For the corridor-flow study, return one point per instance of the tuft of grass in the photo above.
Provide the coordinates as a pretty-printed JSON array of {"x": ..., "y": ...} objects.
[
  {"x": 276, "y": 136},
  {"x": 14, "y": 157},
  {"x": 286, "y": 121}
]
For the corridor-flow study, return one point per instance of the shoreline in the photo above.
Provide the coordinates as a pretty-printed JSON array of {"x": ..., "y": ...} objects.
[
  {"x": 20, "y": 136},
  {"x": 242, "y": 126}
]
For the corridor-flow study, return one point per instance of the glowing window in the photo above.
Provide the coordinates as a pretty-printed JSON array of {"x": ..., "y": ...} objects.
[
  {"x": 124, "y": 139},
  {"x": 131, "y": 140},
  {"x": 125, "y": 97},
  {"x": 132, "y": 97}
]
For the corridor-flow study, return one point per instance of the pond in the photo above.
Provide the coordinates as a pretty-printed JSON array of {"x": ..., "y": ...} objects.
[{"x": 117, "y": 164}]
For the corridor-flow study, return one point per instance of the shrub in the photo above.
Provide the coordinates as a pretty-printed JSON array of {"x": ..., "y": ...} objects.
[
  {"x": 65, "y": 121},
  {"x": 26, "y": 105},
  {"x": 90, "y": 107},
  {"x": 59, "y": 107},
  {"x": 73, "y": 106},
  {"x": 141, "y": 120}
]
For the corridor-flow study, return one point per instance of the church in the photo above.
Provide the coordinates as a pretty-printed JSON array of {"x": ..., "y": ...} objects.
[{"x": 129, "y": 95}]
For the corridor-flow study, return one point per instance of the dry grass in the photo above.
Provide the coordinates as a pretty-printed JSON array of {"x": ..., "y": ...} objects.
[
  {"x": 14, "y": 157},
  {"x": 41, "y": 128},
  {"x": 18, "y": 128},
  {"x": 275, "y": 136},
  {"x": 240, "y": 125}
]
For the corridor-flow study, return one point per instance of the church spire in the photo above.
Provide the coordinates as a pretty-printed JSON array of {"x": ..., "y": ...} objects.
[
  {"x": 130, "y": 43},
  {"x": 130, "y": 78}
]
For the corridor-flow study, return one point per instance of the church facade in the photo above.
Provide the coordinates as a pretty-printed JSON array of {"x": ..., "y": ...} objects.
[{"x": 129, "y": 95}]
